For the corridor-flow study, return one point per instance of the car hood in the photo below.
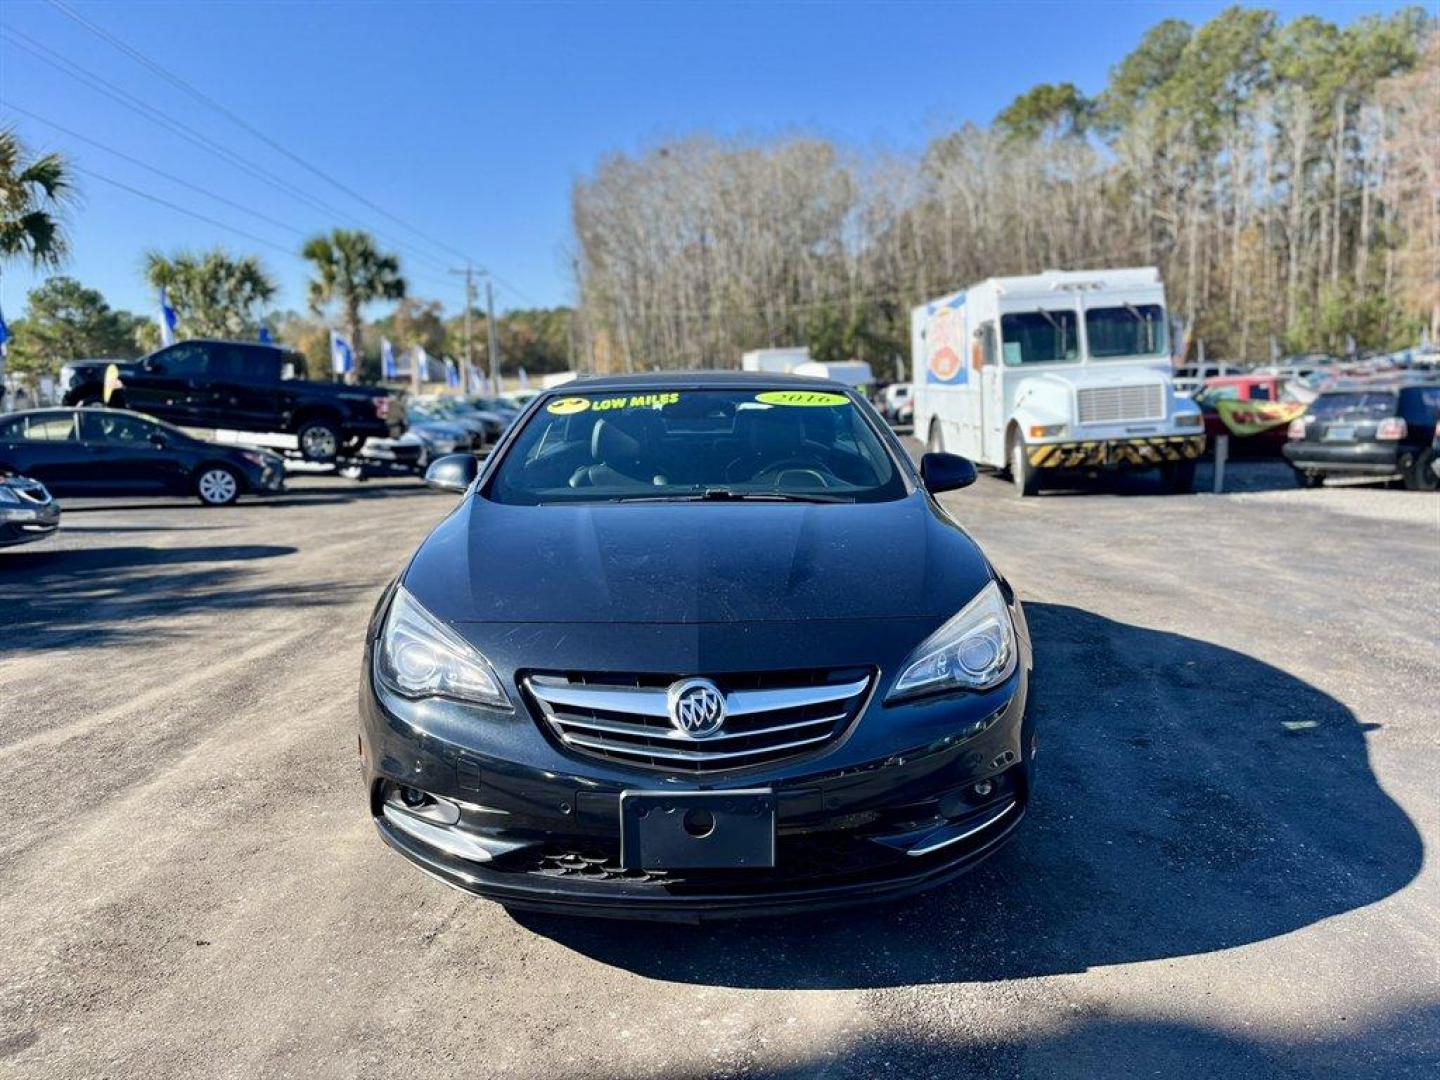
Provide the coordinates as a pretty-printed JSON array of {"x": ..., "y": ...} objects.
[{"x": 695, "y": 563}]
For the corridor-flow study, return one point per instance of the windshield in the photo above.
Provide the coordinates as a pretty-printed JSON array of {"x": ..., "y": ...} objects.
[
  {"x": 1039, "y": 337},
  {"x": 1127, "y": 330},
  {"x": 685, "y": 445},
  {"x": 1355, "y": 405}
]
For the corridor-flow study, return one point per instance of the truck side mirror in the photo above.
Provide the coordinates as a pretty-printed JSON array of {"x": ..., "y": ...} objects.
[
  {"x": 946, "y": 472},
  {"x": 453, "y": 472}
]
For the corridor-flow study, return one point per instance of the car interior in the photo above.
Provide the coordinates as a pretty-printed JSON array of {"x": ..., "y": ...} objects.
[{"x": 695, "y": 443}]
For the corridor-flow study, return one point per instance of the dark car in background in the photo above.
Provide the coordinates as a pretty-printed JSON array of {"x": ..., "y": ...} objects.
[
  {"x": 97, "y": 451},
  {"x": 1386, "y": 432},
  {"x": 697, "y": 646},
  {"x": 27, "y": 511},
  {"x": 241, "y": 386}
]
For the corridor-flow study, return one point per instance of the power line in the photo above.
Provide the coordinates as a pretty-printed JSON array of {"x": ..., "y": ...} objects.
[
  {"x": 181, "y": 84},
  {"x": 158, "y": 172},
  {"x": 135, "y": 104},
  {"x": 187, "y": 212}
]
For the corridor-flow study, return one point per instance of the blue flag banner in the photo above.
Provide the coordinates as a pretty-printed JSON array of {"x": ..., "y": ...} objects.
[
  {"x": 452, "y": 372},
  {"x": 389, "y": 369},
  {"x": 342, "y": 356},
  {"x": 168, "y": 319},
  {"x": 4, "y": 333},
  {"x": 265, "y": 338}
]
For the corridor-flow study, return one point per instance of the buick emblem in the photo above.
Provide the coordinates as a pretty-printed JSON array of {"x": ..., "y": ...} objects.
[{"x": 697, "y": 708}]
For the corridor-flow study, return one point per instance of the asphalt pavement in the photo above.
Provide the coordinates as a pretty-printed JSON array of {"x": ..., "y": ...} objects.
[{"x": 1224, "y": 871}]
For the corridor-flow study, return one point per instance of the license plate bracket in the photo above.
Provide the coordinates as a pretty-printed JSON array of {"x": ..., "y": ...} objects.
[
  {"x": 697, "y": 830},
  {"x": 1340, "y": 433}
]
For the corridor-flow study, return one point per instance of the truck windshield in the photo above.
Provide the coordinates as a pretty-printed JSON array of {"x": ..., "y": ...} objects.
[
  {"x": 694, "y": 445},
  {"x": 1039, "y": 337},
  {"x": 1127, "y": 330}
]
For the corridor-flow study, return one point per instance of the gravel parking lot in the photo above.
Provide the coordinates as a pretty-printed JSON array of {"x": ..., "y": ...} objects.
[{"x": 1223, "y": 872}]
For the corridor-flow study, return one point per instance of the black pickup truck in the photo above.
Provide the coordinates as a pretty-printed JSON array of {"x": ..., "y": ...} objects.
[{"x": 240, "y": 386}]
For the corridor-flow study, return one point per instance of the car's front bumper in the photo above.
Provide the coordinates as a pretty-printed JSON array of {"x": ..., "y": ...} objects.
[
  {"x": 1137, "y": 452},
  {"x": 888, "y": 810},
  {"x": 26, "y": 524}
]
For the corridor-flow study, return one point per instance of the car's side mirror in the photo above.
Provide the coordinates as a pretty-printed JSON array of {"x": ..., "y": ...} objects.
[
  {"x": 158, "y": 440},
  {"x": 453, "y": 472},
  {"x": 946, "y": 472}
]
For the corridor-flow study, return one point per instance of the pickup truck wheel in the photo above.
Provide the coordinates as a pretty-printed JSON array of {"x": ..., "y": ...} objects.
[
  {"x": 217, "y": 485},
  {"x": 319, "y": 440},
  {"x": 1178, "y": 477},
  {"x": 1025, "y": 476}
]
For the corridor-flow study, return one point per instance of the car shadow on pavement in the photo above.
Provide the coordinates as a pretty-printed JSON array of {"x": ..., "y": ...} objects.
[
  {"x": 80, "y": 598},
  {"x": 1188, "y": 798},
  {"x": 1405, "y": 1044}
]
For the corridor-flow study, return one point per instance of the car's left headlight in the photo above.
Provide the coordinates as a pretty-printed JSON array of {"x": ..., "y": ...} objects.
[
  {"x": 419, "y": 656},
  {"x": 974, "y": 650}
]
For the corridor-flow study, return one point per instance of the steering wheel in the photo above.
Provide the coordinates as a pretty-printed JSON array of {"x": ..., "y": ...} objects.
[{"x": 806, "y": 465}]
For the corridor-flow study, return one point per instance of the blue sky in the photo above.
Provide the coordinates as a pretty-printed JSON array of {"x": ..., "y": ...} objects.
[{"x": 469, "y": 122}]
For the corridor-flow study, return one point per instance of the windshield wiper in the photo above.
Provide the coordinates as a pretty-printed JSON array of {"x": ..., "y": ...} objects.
[{"x": 721, "y": 494}]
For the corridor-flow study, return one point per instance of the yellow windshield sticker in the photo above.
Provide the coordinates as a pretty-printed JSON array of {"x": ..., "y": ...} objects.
[
  {"x": 566, "y": 406},
  {"x": 804, "y": 398}
]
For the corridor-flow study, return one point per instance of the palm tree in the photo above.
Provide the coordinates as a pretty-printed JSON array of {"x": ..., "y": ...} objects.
[
  {"x": 213, "y": 294},
  {"x": 32, "y": 193},
  {"x": 351, "y": 270}
]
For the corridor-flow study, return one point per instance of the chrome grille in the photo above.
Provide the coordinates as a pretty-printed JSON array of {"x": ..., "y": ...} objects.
[
  {"x": 1120, "y": 404},
  {"x": 769, "y": 717}
]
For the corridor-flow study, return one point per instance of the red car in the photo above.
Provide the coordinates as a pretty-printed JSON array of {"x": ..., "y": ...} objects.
[{"x": 1257, "y": 431}]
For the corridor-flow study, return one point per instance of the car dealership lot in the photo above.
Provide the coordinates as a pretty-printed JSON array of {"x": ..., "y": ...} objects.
[{"x": 1222, "y": 872}]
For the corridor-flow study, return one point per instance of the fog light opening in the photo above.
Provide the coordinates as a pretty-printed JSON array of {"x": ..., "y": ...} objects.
[
  {"x": 982, "y": 789},
  {"x": 414, "y": 798}
]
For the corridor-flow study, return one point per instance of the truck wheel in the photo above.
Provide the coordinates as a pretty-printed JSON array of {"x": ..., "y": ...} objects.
[
  {"x": 217, "y": 485},
  {"x": 935, "y": 442},
  {"x": 319, "y": 440},
  {"x": 1178, "y": 477},
  {"x": 1421, "y": 475},
  {"x": 1025, "y": 476}
]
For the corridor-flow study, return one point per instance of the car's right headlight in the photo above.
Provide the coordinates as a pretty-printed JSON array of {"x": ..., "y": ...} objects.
[
  {"x": 418, "y": 656},
  {"x": 974, "y": 650}
]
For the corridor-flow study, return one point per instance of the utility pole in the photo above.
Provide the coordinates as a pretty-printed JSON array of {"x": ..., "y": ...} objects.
[
  {"x": 470, "y": 298},
  {"x": 494, "y": 348}
]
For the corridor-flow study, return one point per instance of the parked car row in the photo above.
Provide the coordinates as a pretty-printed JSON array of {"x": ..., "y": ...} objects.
[{"x": 130, "y": 428}]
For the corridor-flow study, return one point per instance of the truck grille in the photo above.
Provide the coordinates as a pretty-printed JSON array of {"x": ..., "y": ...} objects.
[
  {"x": 769, "y": 717},
  {"x": 1120, "y": 404}
]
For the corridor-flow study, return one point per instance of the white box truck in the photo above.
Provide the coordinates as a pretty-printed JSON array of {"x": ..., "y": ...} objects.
[
  {"x": 854, "y": 373},
  {"x": 775, "y": 361},
  {"x": 1060, "y": 370}
]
